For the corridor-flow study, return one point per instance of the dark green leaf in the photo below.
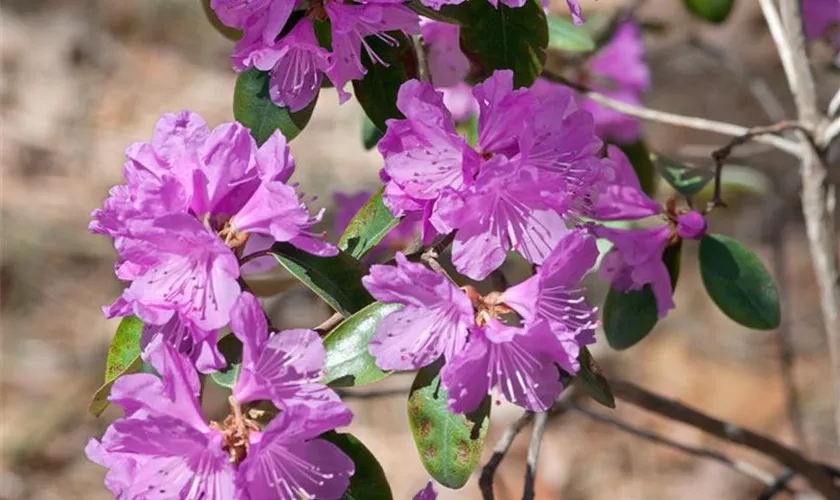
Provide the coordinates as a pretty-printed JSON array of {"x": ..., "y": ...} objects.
[
  {"x": 252, "y": 107},
  {"x": 348, "y": 362},
  {"x": 369, "y": 481},
  {"x": 449, "y": 444},
  {"x": 123, "y": 357},
  {"x": 630, "y": 316},
  {"x": 506, "y": 38},
  {"x": 377, "y": 91},
  {"x": 738, "y": 283},
  {"x": 686, "y": 179},
  {"x": 565, "y": 35},
  {"x": 452, "y": 14},
  {"x": 639, "y": 157},
  {"x": 370, "y": 134},
  {"x": 227, "y": 31},
  {"x": 367, "y": 228},
  {"x": 714, "y": 11},
  {"x": 592, "y": 381},
  {"x": 231, "y": 348},
  {"x": 337, "y": 280}
]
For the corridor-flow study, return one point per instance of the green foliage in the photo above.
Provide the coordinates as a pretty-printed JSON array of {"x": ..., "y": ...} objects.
[
  {"x": 348, "y": 362},
  {"x": 123, "y": 357},
  {"x": 367, "y": 228},
  {"x": 252, "y": 107},
  {"x": 565, "y": 35},
  {"x": 369, "y": 481},
  {"x": 377, "y": 91},
  {"x": 370, "y": 133},
  {"x": 449, "y": 444},
  {"x": 686, "y": 179},
  {"x": 713, "y": 11},
  {"x": 505, "y": 38},
  {"x": 592, "y": 381},
  {"x": 630, "y": 316},
  {"x": 640, "y": 158},
  {"x": 738, "y": 283},
  {"x": 231, "y": 348},
  {"x": 337, "y": 280}
]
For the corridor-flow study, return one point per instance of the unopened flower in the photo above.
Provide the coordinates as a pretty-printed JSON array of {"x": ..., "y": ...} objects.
[
  {"x": 427, "y": 493},
  {"x": 434, "y": 321},
  {"x": 165, "y": 448},
  {"x": 192, "y": 200}
]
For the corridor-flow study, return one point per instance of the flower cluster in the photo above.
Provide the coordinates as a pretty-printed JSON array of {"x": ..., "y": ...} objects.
[{"x": 196, "y": 203}]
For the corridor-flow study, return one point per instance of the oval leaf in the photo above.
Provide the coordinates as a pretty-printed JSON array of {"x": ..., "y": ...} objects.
[
  {"x": 714, "y": 11},
  {"x": 449, "y": 444},
  {"x": 377, "y": 91},
  {"x": 506, "y": 38},
  {"x": 252, "y": 107},
  {"x": 630, "y": 316},
  {"x": 123, "y": 357},
  {"x": 370, "y": 133},
  {"x": 337, "y": 280},
  {"x": 639, "y": 157},
  {"x": 591, "y": 380},
  {"x": 738, "y": 283},
  {"x": 369, "y": 481},
  {"x": 686, "y": 179},
  {"x": 565, "y": 35},
  {"x": 348, "y": 362},
  {"x": 228, "y": 32},
  {"x": 368, "y": 227}
]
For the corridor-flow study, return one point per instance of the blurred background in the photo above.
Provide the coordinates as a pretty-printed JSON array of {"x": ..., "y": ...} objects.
[{"x": 81, "y": 79}]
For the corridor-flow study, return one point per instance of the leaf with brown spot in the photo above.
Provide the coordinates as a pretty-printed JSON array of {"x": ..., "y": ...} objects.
[{"x": 123, "y": 357}]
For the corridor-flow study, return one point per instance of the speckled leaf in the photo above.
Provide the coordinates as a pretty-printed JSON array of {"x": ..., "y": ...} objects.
[
  {"x": 348, "y": 361},
  {"x": 123, "y": 357},
  {"x": 253, "y": 108},
  {"x": 337, "y": 280},
  {"x": 592, "y": 381},
  {"x": 630, "y": 316},
  {"x": 369, "y": 481},
  {"x": 738, "y": 283},
  {"x": 377, "y": 91},
  {"x": 504, "y": 37},
  {"x": 367, "y": 228},
  {"x": 449, "y": 444}
]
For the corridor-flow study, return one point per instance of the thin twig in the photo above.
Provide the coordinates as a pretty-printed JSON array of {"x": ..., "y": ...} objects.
[
  {"x": 330, "y": 323},
  {"x": 745, "y": 468},
  {"x": 814, "y": 473},
  {"x": 485, "y": 482},
  {"x": 534, "y": 454},
  {"x": 373, "y": 394},
  {"x": 834, "y": 104},
  {"x": 779, "y": 485},
  {"x": 691, "y": 122}
]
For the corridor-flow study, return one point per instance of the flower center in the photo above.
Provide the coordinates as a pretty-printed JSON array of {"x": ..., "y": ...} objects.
[
  {"x": 236, "y": 429},
  {"x": 224, "y": 228},
  {"x": 489, "y": 307}
]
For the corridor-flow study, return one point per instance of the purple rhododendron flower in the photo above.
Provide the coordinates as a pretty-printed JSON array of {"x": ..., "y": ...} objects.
[
  {"x": 434, "y": 320},
  {"x": 822, "y": 20},
  {"x": 534, "y": 169},
  {"x": 193, "y": 198},
  {"x": 398, "y": 238},
  {"x": 165, "y": 448},
  {"x": 427, "y": 493},
  {"x": 448, "y": 67}
]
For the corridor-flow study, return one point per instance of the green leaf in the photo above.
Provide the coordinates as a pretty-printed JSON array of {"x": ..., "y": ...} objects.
[
  {"x": 377, "y": 91},
  {"x": 714, "y": 11},
  {"x": 738, "y": 283},
  {"x": 337, "y": 280},
  {"x": 639, "y": 157},
  {"x": 228, "y": 32},
  {"x": 686, "y": 179},
  {"x": 370, "y": 133},
  {"x": 369, "y": 481},
  {"x": 231, "y": 348},
  {"x": 630, "y": 316},
  {"x": 506, "y": 38},
  {"x": 592, "y": 381},
  {"x": 368, "y": 227},
  {"x": 252, "y": 107},
  {"x": 452, "y": 14},
  {"x": 348, "y": 362},
  {"x": 123, "y": 357},
  {"x": 565, "y": 35},
  {"x": 449, "y": 444},
  {"x": 226, "y": 378}
]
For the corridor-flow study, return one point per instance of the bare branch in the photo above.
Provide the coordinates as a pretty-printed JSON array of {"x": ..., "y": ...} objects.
[
  {"x": 534, "y": 454},
  {"x": 691, "y": 122},
  {"x": 745, "y": 468},
  {"x": 832, "y": 131},
  {"x": 329, "y": 323},
  {"x": 485, "y": 482},
  {"x": 814, "y": 473}
]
